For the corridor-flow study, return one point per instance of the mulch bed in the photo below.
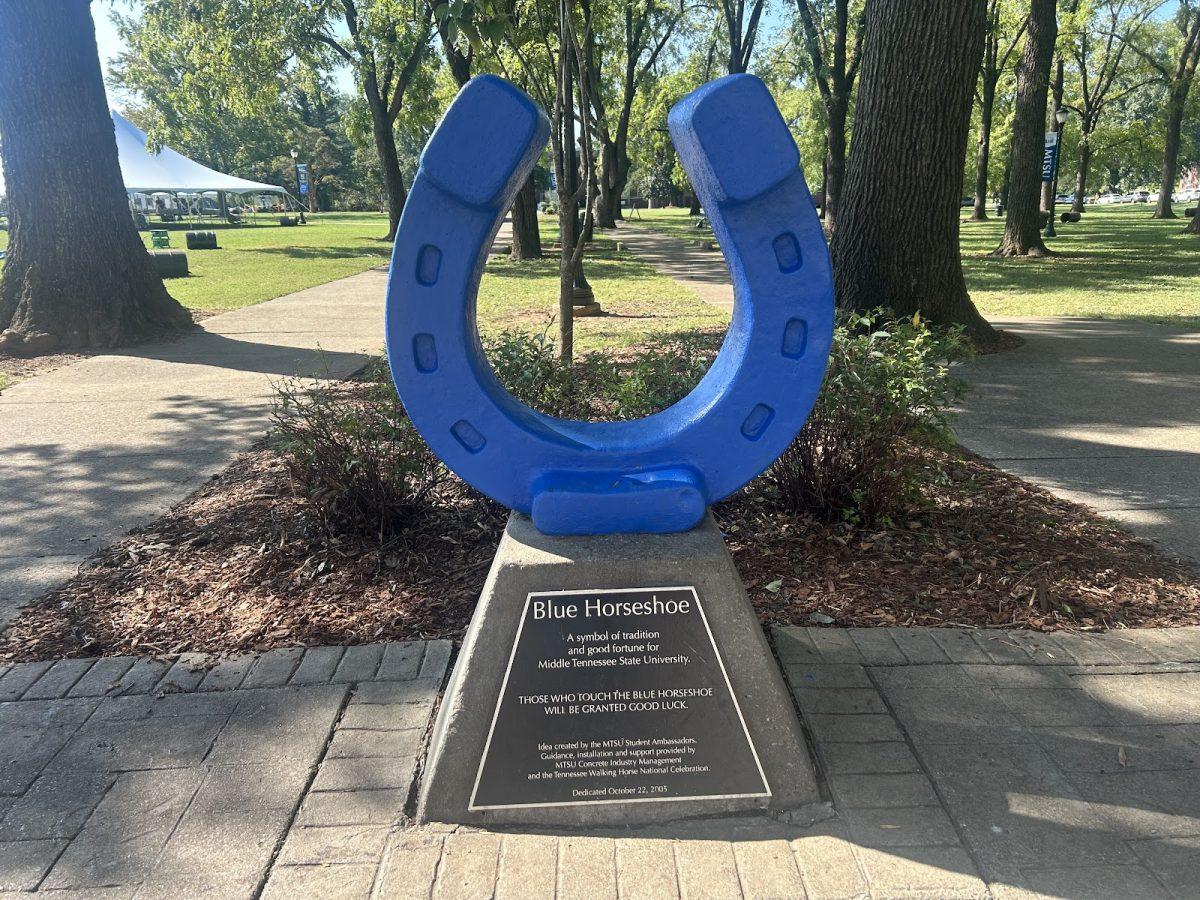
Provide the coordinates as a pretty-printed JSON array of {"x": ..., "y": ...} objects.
[
  {"x": 985, "y": 549},
  {"x": 239, "y": 567}
]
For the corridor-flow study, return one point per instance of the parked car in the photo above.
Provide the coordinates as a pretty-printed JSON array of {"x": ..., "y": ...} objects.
[{"x": 1139, "y": 197}]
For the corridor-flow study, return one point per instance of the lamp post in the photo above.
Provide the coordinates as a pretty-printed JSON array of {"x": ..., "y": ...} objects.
[
  {"x": 1060, "y": 119},
  {"x": 295, "y": 151}
]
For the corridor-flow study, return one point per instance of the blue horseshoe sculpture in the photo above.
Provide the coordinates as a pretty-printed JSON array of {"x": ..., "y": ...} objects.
[{"x": 657, "y": 474}]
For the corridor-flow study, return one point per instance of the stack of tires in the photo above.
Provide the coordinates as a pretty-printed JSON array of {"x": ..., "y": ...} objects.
[{"x": 202, "y": 240}]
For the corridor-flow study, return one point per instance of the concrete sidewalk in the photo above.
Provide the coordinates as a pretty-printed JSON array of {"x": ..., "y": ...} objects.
[
  {"x": 1102, "y": 412},
  {"x": 957, "y": 763},
  {"x": 101, "y": 446},
  {"x": 704, "y": 271}
]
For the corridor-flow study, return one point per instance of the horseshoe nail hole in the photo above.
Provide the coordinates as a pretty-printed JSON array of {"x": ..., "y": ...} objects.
[
  {"x": 468, "y": 435},
  {"x": 757, "y": 422},
  {"x": 795, "y": 338},
  {"x": 787, "y": 252},
  {"x": 429, "y": 264},
  {"x": 425, "y": 353}
]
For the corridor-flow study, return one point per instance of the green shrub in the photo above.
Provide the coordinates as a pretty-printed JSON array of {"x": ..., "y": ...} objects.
[
  {"x": 353, "y": 455},
  {"x": 888, "y": 385},
  {"x": 599, "y": 386},
  {"x": 359, "y": 464},
  {"x": 528, "y": 367},
  {"x": 663, "y": 375}
]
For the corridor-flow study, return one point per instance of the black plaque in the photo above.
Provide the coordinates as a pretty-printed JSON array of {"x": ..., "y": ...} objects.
[{"x": 615, "y": 696}]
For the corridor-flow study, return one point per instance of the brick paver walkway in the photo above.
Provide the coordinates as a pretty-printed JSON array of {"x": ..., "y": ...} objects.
[{"x": 957, "y": 763}]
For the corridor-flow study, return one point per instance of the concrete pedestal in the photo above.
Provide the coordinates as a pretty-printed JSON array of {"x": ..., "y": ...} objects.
[{"x": 529, "y": 561}]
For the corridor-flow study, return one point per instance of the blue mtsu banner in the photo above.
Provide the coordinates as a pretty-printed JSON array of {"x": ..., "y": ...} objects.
[
  {"x": 302, "y": 177},
  {"x": 1050, "y": 157}
]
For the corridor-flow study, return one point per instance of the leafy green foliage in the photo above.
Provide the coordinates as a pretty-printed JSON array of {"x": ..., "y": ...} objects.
[
  {"x": 599, "y": 386},
  {"x": 358, "y": 463},
  {"x": 354, "y": 457},
  {"x": 888, "y": 384}
]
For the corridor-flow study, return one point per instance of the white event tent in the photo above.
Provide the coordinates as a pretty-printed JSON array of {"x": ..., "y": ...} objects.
[{"x": 167, "y": 171}]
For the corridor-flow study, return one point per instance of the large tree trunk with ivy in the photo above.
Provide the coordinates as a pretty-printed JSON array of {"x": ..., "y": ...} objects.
[
  {"x": 896, "y": 243},
  {"x": 526, "y": 238},
  {"x": 77, "y": 274},
  {"x": 1023, "y": 221}
]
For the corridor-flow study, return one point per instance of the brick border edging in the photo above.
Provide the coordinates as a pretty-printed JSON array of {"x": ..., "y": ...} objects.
[
  {"x": 127, "y": 676},
  {"x": 1004, "y": 647},
  {"x": 123, "y": 676}
]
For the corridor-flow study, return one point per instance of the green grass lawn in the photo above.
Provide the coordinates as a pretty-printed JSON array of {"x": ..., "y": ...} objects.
[
  {"x": 1116, "y": 263},
  {"x": 638, "y": 302},
  {"x": 259, "y": 262},
  {"x": 263, "y": 261}
]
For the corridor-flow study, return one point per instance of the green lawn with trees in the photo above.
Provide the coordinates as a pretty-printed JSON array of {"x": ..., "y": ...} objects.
[
  {"x": 1118, "y": 262},
  {"x": 259, "y": 262},
  {"x": 891, "y": 141}
]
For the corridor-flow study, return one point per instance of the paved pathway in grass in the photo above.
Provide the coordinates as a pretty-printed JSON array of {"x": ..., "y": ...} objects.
[
  {"x": 957, "y": 764},
  {"x": 1105, "y": 413},
  {"x": 98, "y": 447},
  {"x": 702, "y": 270}
]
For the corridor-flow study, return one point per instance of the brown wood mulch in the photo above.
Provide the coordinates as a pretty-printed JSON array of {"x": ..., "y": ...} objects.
[{"x": 238, "y": 567}]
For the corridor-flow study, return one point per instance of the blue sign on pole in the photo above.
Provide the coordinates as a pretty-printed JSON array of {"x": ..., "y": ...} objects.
[
  {"x": 1050, "y": 157},
  {"x": 302, "y": 177}
]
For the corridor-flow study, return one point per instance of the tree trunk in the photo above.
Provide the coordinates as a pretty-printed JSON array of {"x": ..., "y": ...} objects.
[
  {"x": 1056, "y": 91},
  {"x": 1193, "y": 226},
  {"x": 77, "y": 273},
  {"x": 1081, "y": 175},
  {"x": 1002, "y": 208},
  {"x": 983, "y": 150},
  {"x": 624, "y": 165},
  {"x": 1023, "y": 222},
  {"x": 605, "y": 217},
  {"x": 835, "y": 158},
  {"x": 694, "y": 205},
  {"x": 389, "y": 160},
  {"x": 896, "y": 243},
  {"x": 527, "y": 238},
  {"x": 1170, "y": 171},
  {"x": 458, "y": 62},
  {"x": 618, "y": 192}
]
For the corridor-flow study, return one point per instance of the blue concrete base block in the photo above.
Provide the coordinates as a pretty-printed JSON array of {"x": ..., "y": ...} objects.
[{"x": 654, "y": 475}]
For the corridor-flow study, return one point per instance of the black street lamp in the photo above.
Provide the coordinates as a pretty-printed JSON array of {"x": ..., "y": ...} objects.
[
  {"x": 299, "y": 191},
  {"x": 1060, "y": 119}
]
